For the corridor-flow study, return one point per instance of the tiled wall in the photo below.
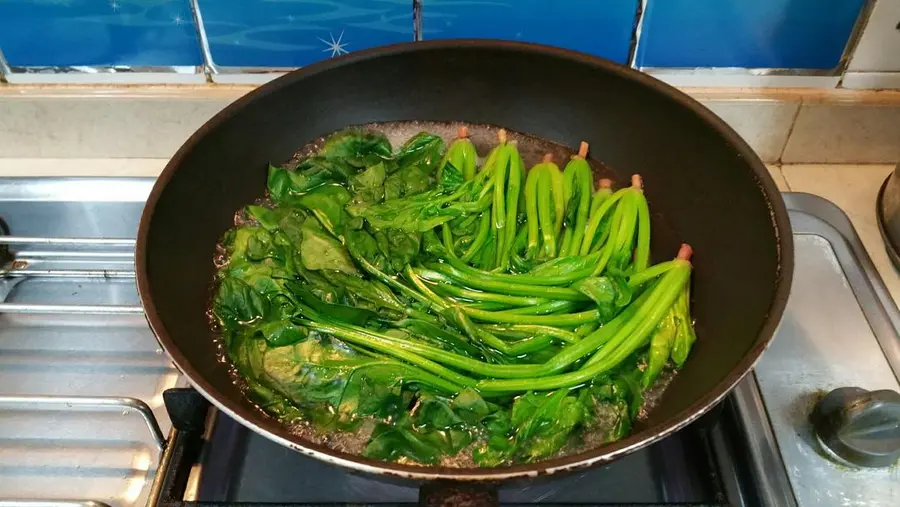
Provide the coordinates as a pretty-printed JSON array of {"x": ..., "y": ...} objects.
[
  {"x": 601, "y": 28},
  {"x": 63, "y": 33},
  {"x": 780, "y": 42},
  {"x": 777, "y": 34}
]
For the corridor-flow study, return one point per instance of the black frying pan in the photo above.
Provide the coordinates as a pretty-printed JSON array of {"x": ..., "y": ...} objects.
[{"x": 702, "y": 181}]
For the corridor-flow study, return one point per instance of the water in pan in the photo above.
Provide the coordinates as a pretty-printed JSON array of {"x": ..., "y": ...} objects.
[{"x": 484, "y": 137}]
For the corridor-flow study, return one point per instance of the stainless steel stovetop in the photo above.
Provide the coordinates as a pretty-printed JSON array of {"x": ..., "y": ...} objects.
[{"x": 82, "y": 419}]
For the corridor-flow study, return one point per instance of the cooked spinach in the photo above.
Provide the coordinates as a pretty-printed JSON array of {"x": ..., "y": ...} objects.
[{"x": 460, "y": 307}]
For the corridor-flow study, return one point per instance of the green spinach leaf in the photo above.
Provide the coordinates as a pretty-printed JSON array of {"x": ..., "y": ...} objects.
[
  {"x": 430, "y": 431},
  {"x": 286, "y": 185},
  {"x": 333, "y": 311},
  {"x": 423, "y": 150},
  {"x": 368, "y": 188},
  {"x": 360, "y": 289},
  {"x": 410, "y": 180},
  {"x": 398, "y": 247},
  {"x": 237, "y": 303},
  {"x": 319, "y": 250},
  {"x": 612, "y": 294},
  {"x": 417, "y": 213},
  {"x": 357, "y": 148},
  {"x": 327, "y": 204},
  {"x": 450, "y": 177}
]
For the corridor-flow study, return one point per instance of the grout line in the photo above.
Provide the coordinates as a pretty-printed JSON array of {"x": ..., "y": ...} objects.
[
  {"x": 636, "y": 33},
  {"x": 787, "y": 138},
  {"x": 787, "y": 181},
  {"x": 4, "y": 68},
  {"x": 800, "y": 96},
  {"x": 787, "y": 184},
  {"x": 862, "y": 21},
  {"x": 209, "y": 68},
  {"x": 417, "y": 19}
]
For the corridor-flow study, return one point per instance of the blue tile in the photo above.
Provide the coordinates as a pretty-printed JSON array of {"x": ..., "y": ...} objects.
[
  {"x": 799, "y": 34},
  {"x": 599, "y": 27},
  {"x": 266, "y": 33},
  {"x": 98, "y": 33}
]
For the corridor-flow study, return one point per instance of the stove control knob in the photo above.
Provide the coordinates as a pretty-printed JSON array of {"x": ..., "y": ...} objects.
[{"x": 859, "y": 427}]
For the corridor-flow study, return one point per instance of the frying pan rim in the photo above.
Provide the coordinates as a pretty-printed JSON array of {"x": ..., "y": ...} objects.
[{"x": 271, "y": 429}]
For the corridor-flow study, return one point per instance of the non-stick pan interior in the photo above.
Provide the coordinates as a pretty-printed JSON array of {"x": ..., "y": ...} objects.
[{"x": 703, "y": 184}]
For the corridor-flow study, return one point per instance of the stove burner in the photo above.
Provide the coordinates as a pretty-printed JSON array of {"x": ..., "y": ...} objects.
[{"x": 74, "y": 348}]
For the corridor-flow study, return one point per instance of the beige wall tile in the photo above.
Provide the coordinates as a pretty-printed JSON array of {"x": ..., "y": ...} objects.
[
  {"x": 130, "y": 167},
  {"x": 877, "y": 48},
  {"x": 845, "y": 133},
  {"x": 152, "y": 122},
  {"x": 871, "y": 80},
  {"x": 778, "y": 176},
  {"x": 100, "y": 127},
  {"x": 854, "y": 189},
  {"x": 764, "y": 124}
]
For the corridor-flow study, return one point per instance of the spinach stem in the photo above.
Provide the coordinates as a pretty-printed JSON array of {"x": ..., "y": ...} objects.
[
  {"x": 668, "y": 289},
  {"x": 501, "y": 167},
  {"x": 624, "y": 238},
  {"x": 594, "y": 222},
  {"x": 579, "y": 190},
  {"x": 518, "y": 330},
  {"x": 543, "y": 280},
  {"x": 521, "y": 347},
  {"x": 557, "y": 190},
  {"x": 447, "y": 287},
  {"x": 400, "y": 349},
  {"x": 531, "y": 211},
  {"x": 625, "y": 341},
  {"x": 545, "y": 213},
  {"x": 484, "y": 230},
  {"x": 641, "y": 277},
  {"x": 389, "y": 280},
  {"x": 489, "y": 283},
  {"x": 546, "y": 308},
  {"x": 642, "y": 249},
  {"x": 447, "y": 238},
  {"x": 507, "y": 317},
  {"x": 514, "y": 188}
]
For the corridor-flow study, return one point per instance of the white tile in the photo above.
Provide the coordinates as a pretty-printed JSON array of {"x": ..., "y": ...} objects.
[
  {"x": 764, "y": 124},
  {"x": 120, "y": 78},
  {"x": 837, "y": 133},
  {"x": 879, "y": 47},
  {"x": 100, "y": 126},
  {"x": 871, "y": 80},
  {"x": 730, "y": 78},
  {"x": 130, "y": 167},
  {"x": 249, "y": 78}
]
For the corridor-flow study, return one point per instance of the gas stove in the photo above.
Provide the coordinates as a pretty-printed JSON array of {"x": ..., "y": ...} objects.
[{"x": 93, "y": 414}]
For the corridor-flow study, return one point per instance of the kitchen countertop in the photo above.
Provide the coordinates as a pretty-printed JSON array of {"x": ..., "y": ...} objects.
[{"x": 852, "y": 187}]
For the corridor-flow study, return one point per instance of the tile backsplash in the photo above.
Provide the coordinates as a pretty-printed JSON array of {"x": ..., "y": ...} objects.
[
  {"x": 775, "y": 34},
  {"x": 265, "y": 33},
  {"x": 70, "y": 33},
  {"x": 754, "y": 39},
  {"x": 602, "y": 28}
]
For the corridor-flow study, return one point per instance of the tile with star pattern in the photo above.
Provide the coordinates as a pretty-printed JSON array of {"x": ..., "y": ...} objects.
[{"x": 287, "y": 34}]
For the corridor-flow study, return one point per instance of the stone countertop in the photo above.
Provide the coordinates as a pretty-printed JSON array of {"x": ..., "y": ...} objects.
[{"x": 852, "y": 187}]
